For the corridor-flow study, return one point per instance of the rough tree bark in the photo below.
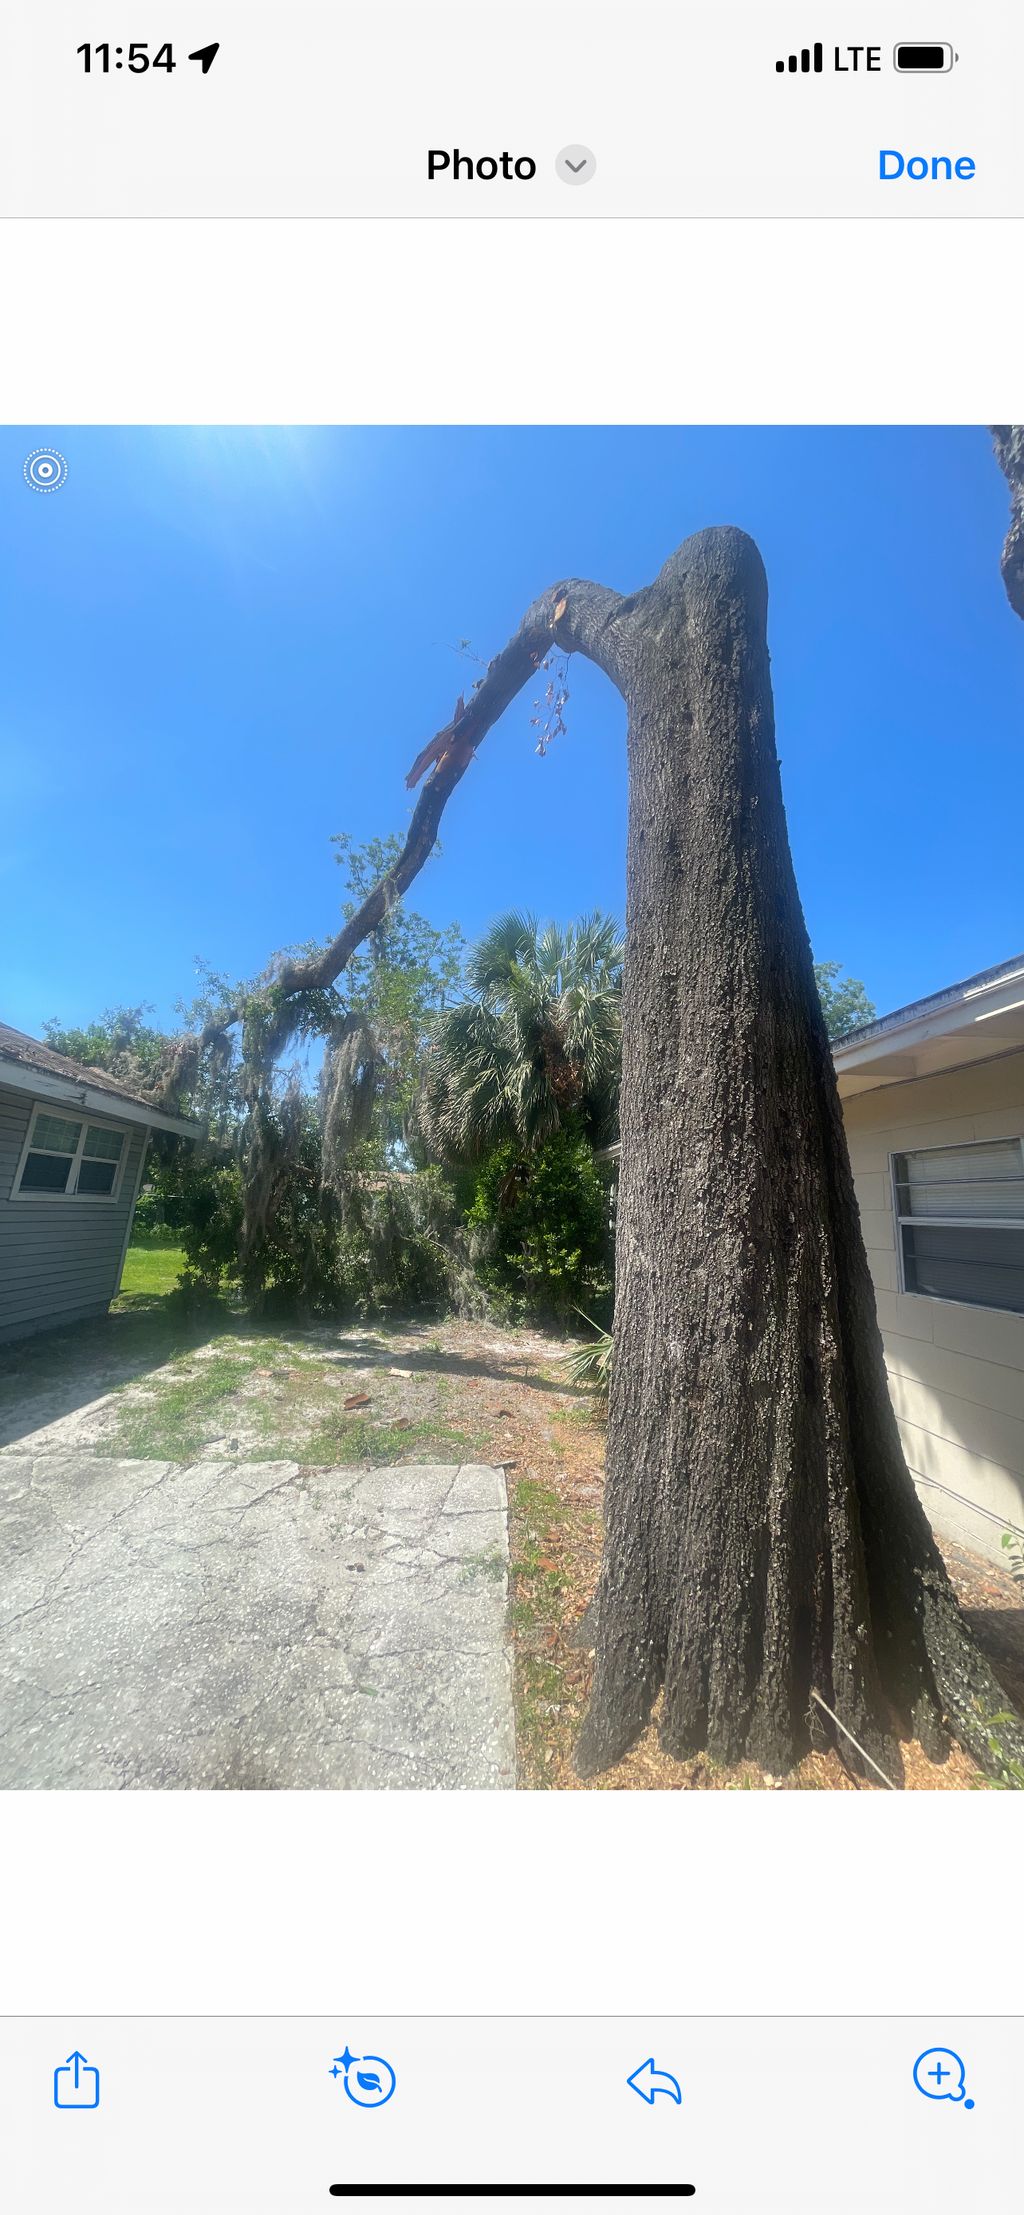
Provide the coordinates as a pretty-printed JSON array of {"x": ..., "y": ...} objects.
[{"x": 764, "y": 1539}]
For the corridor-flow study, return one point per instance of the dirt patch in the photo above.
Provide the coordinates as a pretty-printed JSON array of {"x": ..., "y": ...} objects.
[
  {"x": 462, "y": 1392},
  {"x": 321, "y": 1398},
  {"x": 552, "y": 1438}
]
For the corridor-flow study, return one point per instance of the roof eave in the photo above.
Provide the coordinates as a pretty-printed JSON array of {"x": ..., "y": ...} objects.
[
  {"x": 44, "y": 1084},
  {"x": 981, "y": 1020}
]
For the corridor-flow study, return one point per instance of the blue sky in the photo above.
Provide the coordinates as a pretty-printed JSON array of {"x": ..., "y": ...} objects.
[{"x": 217, "y": 647}]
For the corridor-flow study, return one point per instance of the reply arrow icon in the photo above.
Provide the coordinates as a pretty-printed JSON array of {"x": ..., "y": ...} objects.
[{"x": 649, "y": 2081}]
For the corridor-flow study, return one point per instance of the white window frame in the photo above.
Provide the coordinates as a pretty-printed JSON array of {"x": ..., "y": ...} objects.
[
  {"x": 88, "y": 1121},
  {"x": 947, "y": 1222}
]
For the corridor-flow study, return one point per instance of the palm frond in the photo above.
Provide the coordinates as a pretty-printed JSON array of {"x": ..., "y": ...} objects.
[
  {"x": 538, "y": 1042},
  {"x": 592, "y": 1364},
  {"x": 510, "y": 943}
]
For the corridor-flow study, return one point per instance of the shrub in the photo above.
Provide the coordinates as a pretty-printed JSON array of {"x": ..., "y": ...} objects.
[
  {"x": 541, "y": 1224},
  {"x": 208, "y": 1218},
  {"x": 373, "y": 1240},
  {"x": 401, "y": 1244},
  {"x": 157, "y": 1222}
]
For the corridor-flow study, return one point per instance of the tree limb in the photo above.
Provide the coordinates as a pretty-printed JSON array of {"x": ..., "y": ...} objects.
[{"x": 450, "y": 753}]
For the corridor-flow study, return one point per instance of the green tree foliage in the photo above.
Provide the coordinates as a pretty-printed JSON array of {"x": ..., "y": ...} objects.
[
  {"x": 542, "y": 1224},
  {"x": 197, "y": 1199},
  {"x": 396, "y": 985},
  {"x": 535, "y": 1049},
  {"x": 120, "y": 1041},
  {"x": 844, "y": 999},
  {"x": 522, "y": 1084},
  {"x": 381, "y": 1241},
  {"x": 403, "y": 1245},
  {"x": 313, "y": 1213}
]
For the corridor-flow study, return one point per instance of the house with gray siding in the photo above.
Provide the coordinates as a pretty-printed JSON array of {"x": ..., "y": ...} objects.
[{"x": 73, "y": 1143}]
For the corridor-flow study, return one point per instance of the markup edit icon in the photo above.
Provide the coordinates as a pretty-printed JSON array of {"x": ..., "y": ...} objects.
[{"x": 75, "y": 2084}]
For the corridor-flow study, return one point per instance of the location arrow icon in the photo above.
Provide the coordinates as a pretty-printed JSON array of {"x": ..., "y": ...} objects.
[
  {"x": 206, "y": 54},
  {"x": 649, "y": 2081}
]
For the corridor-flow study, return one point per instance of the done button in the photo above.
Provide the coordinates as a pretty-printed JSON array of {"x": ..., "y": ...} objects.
[{"x": 937, "y": 168}]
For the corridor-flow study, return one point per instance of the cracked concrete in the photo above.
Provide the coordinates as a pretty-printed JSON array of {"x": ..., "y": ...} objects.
[{"x": 234, "y": 1626}]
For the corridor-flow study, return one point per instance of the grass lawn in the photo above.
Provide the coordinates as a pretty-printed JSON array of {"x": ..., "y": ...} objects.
[
  {"x": 150, "y": 1271},
  {"x": 262, "y": 1398}
]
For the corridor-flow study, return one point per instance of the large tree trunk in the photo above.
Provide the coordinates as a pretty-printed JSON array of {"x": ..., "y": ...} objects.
[{"x": 764, "y": 1539}]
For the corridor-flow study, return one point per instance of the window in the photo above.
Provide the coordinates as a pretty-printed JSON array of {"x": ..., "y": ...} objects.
[
  {"x": 70, "y": 1158},
  {"x": 960, "y": 1213}
]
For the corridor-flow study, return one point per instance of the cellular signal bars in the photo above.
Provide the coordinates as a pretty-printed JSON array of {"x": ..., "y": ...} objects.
[{"x": 808, "y": 58}]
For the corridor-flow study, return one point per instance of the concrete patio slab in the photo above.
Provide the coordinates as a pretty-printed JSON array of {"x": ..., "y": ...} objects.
[{"x": 252, "y": 1626}]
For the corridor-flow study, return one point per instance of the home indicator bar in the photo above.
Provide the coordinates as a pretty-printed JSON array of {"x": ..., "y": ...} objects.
[{"x": 514, "y": 2191}]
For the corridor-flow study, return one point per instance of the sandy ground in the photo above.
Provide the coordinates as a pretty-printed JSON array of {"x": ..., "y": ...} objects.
[{"x": 433, "y": 1392}]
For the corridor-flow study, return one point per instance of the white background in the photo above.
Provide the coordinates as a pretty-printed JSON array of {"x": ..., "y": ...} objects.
[
  {"x": 590, "y": 1902},
  {"x": 533, "y": 322}
]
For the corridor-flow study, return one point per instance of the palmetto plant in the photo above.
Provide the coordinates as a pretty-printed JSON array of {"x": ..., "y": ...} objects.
[
  {"x": 537, "y": 1044},
  {"x": 592, "y": 1363}
]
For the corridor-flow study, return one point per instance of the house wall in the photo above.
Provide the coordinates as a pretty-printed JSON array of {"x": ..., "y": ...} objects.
[
  {"x": 956, "y": 1373},
  {"x": 58, "y": 1260}
]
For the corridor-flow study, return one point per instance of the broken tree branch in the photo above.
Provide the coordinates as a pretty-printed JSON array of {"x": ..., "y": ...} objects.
[{"x": 448, "y": 755}]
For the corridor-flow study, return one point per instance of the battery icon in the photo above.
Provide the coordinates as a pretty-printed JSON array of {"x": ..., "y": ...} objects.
[{"x": 923, "y": 57}]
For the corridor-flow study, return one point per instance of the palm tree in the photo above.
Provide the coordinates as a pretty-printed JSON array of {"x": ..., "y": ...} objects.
[{"x": 536, "y": 1047}]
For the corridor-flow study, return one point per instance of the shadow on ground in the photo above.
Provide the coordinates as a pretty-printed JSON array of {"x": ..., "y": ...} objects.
[
  {"x": 522, "y": 1371},
  {"x": 56, "y": 1372}
]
